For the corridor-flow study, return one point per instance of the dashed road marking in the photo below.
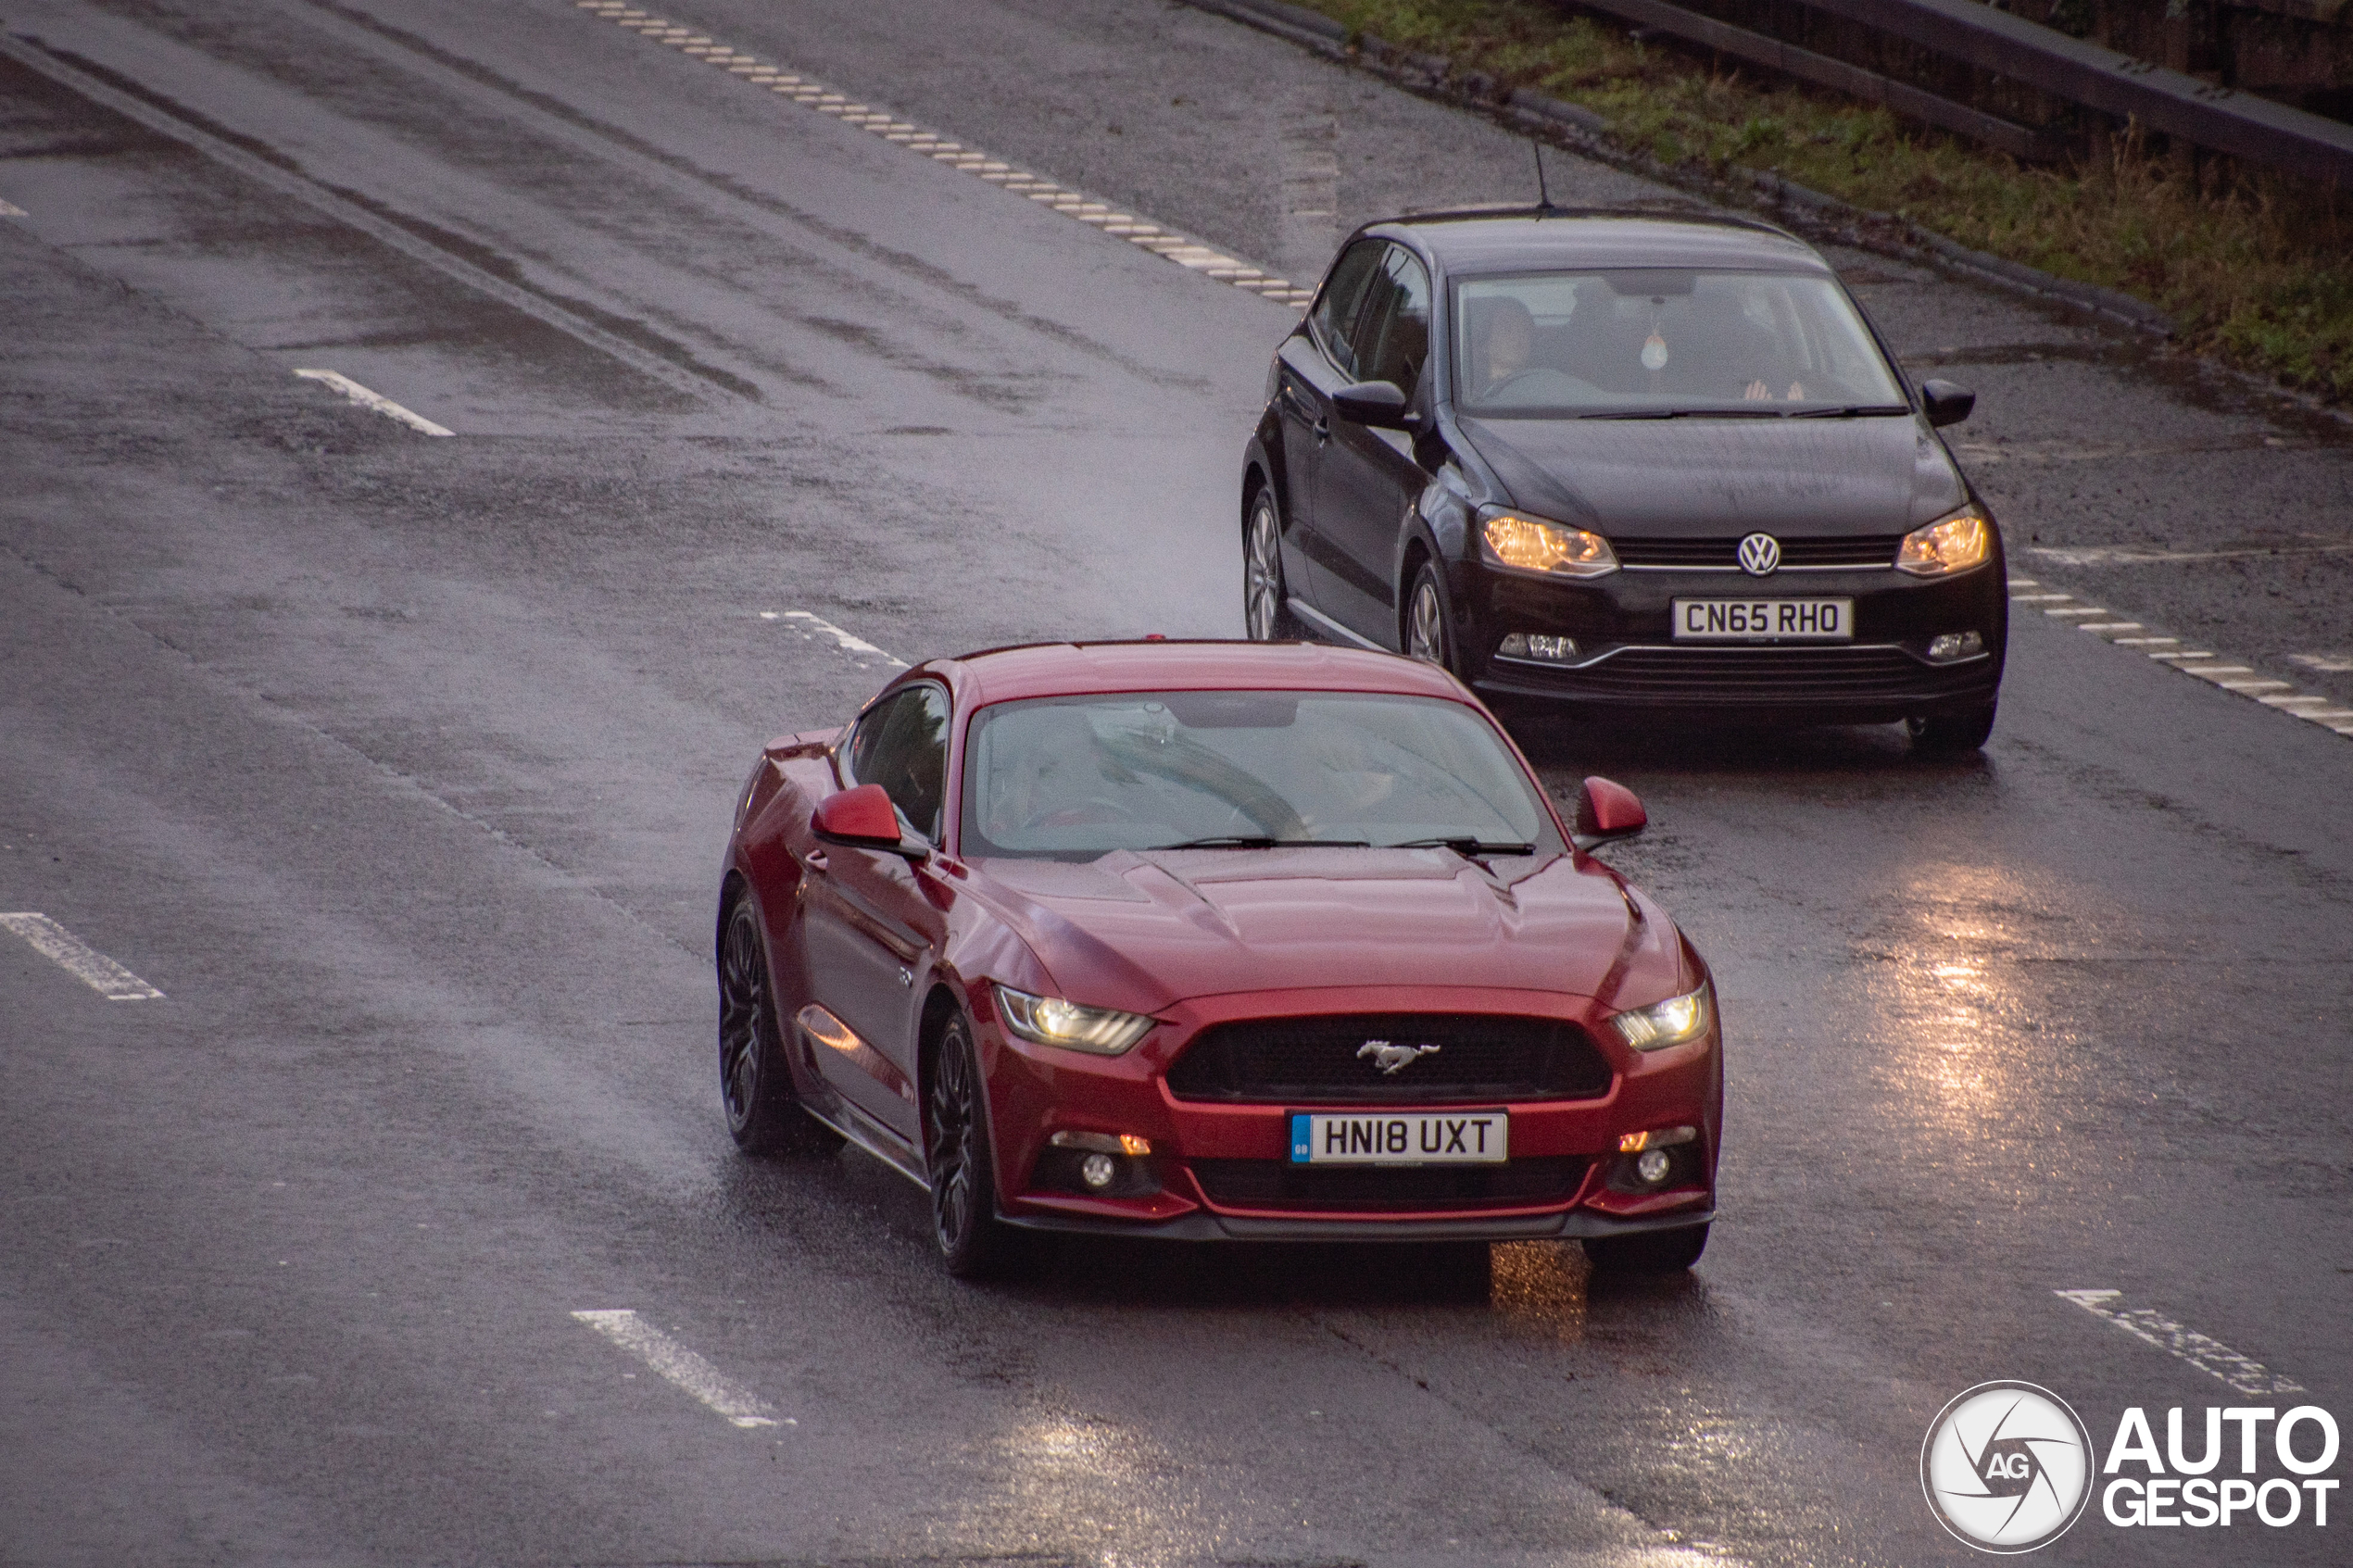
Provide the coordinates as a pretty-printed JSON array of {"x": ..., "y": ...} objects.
[
  {"x": 2202, "y": 1351},
  {"x": 680, "y": 1366},
  {"x": 375, "y": 400},
  {"x": 850, "y": 642},
  {"x": 78, "y": 958},
  {"x": 10, "y": 209},
  {"x": 2239, "y": 679},
  {"x": 2326, "y": 663},
  {"x": 1194, "y": 257}
]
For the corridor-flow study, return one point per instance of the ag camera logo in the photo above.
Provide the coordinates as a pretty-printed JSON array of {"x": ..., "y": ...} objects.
[{"x": 2007, "y": 1467}]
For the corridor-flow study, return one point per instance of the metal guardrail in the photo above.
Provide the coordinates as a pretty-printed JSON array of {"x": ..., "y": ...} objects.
[
  {"x": 1901, "y": 97},
  {"x": 2221, "y": 118}
]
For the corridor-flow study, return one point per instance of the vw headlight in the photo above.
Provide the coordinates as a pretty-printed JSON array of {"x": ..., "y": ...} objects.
[
  {"x": 1050, "y": 1021},
  {"x": 1949, "y": 544},
  {"x": 1527, "y": 544},
  {"x": 1678, "y": 1021}
]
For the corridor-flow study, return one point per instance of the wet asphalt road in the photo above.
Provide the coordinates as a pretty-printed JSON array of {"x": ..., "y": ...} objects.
[{"x": 401, "y": 766}]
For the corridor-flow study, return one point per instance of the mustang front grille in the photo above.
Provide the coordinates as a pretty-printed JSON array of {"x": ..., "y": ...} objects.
[
  {"x": 1275, "y": 1184},
  {"x": 1448, "y": 1059}
]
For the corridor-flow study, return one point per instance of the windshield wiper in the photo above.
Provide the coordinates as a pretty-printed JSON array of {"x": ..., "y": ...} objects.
[
  {"x": 1850, "y": 410},
  {"x": 1249, "y": 841},
  {"x": 1465, "y": 846},
  {"x": 1727, "y": 413}
]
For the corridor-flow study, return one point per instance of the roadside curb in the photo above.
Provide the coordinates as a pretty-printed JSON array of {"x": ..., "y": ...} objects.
[{"x": 1820, "y": 216}]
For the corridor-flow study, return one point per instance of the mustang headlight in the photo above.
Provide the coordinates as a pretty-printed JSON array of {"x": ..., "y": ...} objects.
[
  {"x": 1050, "y": 1021},
  {"x": 1527, "y": 544},
  {"x": 1949, "y": 544},
  {"x": 1678, "y": 1021}
]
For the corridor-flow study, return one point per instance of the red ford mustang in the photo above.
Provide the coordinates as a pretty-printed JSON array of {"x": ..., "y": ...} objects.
[{"x": 1213, "y": 940}]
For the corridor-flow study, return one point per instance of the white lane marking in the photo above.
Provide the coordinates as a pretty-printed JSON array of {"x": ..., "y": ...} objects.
[
  {"x": 375, "y": 400},
  {"x": 10, "y": 209},
  {"x": 80, "y": 959},
  {"x": 2129, "y": 555},
  {"x": 850, "y": 642},
  {"x": 1196, "y": 257},
  {"x": 2207, "y": 1354},
  {"x": 2221, "y": 674},
  {"x": 2326, "y": 663},
  {"x": 681, "y": 1367}
]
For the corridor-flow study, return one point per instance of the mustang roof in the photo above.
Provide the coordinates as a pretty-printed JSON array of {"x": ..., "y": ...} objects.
[
  {"x": 1071, "y": 668},
  {"x": 1474, "y": 241}
]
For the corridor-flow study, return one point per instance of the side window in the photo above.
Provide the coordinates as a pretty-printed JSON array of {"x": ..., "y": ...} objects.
[
  {"x": 903, "y": 746},
  {"x": 1397, "y": 341},
  {"x": 1336, "y": 308}
]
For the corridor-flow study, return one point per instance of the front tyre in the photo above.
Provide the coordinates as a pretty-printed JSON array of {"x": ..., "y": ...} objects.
[
  {"x": 1430, "y": 629},
  {"x": 764, "y": 1115},
  {"x": 973, "y": 1241},
  {"x": 1649, "y": 1253},
  {"x": 1951, "y": 734},
  {"x": 1266, "y": 599}
]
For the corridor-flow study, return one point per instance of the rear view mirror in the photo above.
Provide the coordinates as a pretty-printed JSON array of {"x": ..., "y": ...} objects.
[
  {"x": 862, "y": 817},
  {"x": 1944, "y": 403},
  {"x": 1608, "y": 811},
  {"x": 1377, "y": 403}
]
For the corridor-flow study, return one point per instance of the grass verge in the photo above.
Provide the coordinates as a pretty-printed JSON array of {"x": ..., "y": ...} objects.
[{"x": 2252, "y": 267}]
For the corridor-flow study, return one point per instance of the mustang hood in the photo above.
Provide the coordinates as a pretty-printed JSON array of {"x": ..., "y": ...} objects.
[
  {"x": 1143, "y": 932},
  {"x": 1869, "y": 474}
]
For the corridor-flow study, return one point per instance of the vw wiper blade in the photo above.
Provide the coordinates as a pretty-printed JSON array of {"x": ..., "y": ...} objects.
[
  {"x": 1637, "y": 414},
  {"x": 1465, "y": 846},
  {"x": 1850, "y": 410},
  {"x": 1249, "y": 841}
]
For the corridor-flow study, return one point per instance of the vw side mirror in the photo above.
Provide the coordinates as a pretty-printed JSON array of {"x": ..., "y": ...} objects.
[
  {"x": 1608, "y": 811},
  {"x": 1377, "y": 403},
  {"x": 862, "y": 817},
  {"x": 1946, "y": 403}
]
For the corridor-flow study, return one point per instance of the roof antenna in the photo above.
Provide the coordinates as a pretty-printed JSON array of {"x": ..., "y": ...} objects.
[{"x": 1543, "y": 196}]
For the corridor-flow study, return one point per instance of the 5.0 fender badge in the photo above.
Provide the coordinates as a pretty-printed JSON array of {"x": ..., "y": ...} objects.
[{"x": 1392, "y": 1059}]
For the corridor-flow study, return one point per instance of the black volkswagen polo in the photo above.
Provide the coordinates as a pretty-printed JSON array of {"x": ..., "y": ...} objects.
[{"x": 1632, "y": 464}]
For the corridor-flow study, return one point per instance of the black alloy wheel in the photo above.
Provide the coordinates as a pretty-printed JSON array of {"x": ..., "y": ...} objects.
[
  {"x": 1649, "y": 1252},
  {"x": 1266, "y": 605},
  {"x": 1429, "y": 632},
  {"x": 765, "y": 1116},
  {"x": 956, "y": 1152},
  {"x": 1951, "y": 734}
]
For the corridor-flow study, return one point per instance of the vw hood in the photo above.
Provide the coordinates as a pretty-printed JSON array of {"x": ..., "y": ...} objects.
[{"x": 1647, "y": 478}]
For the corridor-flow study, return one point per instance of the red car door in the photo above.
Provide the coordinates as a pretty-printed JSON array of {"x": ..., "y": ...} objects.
[{"x": 869, "y": 928}]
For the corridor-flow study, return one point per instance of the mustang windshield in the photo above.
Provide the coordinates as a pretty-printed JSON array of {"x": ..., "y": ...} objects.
[
  {"x": 1652, "y": 341},
  {"x": 1073, "y": 778}
]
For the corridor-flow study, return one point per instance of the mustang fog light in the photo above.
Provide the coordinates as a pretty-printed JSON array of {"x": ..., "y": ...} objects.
[
  {"x": 1097, "y": 1170},
  {"x": 1527, "y": 544},
  {"x": 1955, "y": 645},
  {"x": 1050, "y": 1021},
  {"x": 1949, "y": 544},
  {"x": 1103, "y": 1143},
  {"x": 1537, "y": 648},
  {"x": 1652, "y": 1165},
  {"x": 1678, "y": 1021}
]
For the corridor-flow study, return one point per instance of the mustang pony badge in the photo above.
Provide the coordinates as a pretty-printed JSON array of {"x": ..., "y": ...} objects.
[{"x": 1390, "y": 1059}]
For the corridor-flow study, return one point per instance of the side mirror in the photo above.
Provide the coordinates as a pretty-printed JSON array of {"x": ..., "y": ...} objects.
[
  {"x": 1608, "y": 811},
  {"x": 862, "y": 817},
  {"x": 1944, "y": 403},
  {"x": 1377, "y": 403}
]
